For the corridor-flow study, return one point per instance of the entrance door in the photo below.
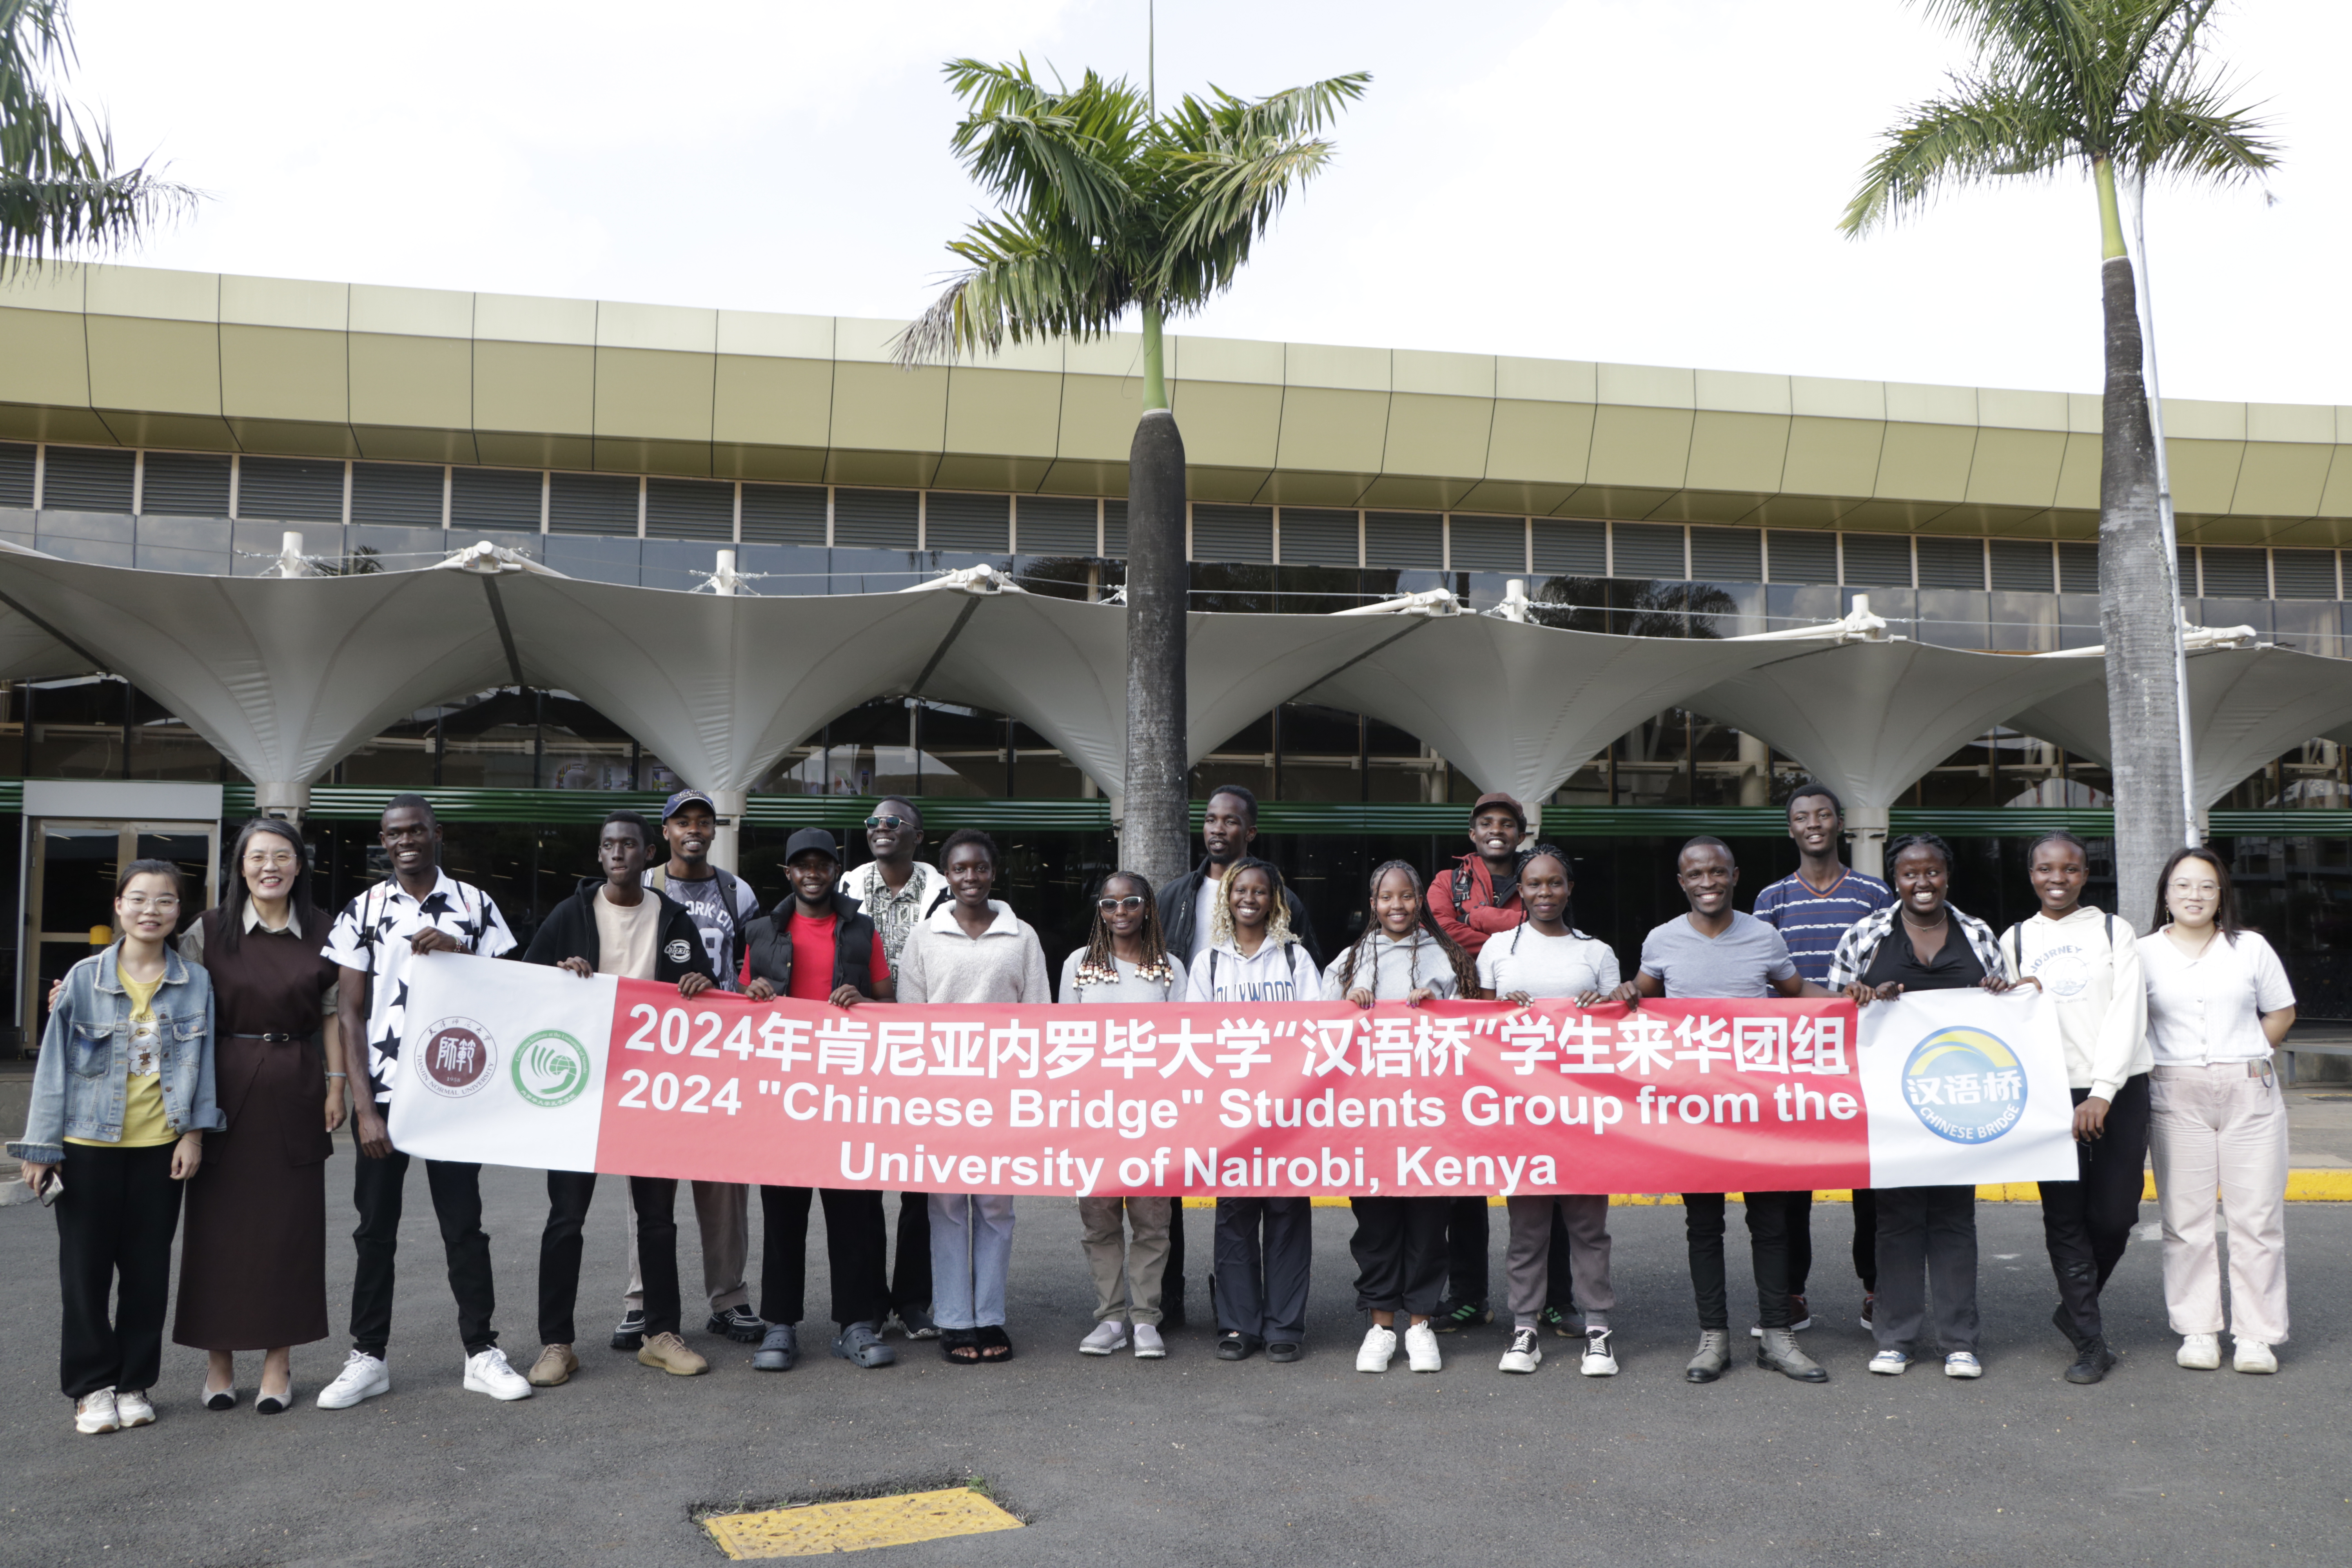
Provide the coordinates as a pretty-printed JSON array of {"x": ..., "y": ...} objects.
[{"x": 70, "y": 891}]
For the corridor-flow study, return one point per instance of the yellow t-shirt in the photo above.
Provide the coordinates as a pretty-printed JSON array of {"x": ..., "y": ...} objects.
[{"x": 144, "y": 1124}]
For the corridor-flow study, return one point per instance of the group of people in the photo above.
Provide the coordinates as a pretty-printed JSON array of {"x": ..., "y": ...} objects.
[{"x": 209, "y": 1071}]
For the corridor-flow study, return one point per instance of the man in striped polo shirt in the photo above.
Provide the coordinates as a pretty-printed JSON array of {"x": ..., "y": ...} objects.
[{"x": 1812, "y": 909}]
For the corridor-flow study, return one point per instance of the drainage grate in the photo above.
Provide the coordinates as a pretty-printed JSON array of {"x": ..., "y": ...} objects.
[{"x": 818, "y": 1528}]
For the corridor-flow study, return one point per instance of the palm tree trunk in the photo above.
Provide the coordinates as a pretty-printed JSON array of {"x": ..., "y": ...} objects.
[
  {"x": 1156, "y": 830},
  {"x": 2136, "y": 597}
]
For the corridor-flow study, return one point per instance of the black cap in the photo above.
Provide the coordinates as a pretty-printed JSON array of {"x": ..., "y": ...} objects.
[{"x": 809, "y": 838}]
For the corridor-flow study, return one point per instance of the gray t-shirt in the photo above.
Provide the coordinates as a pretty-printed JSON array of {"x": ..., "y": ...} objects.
[
  {"x": 1547, "y": 968},
  {"x": 721, "y": 928},
  {"x": 1392, "y": 970},
  {"x": 1743, "y": 962},
  {"x": 1129, "y": 987}
]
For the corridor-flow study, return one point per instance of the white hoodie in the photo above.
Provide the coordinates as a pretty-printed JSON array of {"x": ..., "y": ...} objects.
[
  {"x": 1277, "y": 971},
  {"x": 2089, "y": 967}
]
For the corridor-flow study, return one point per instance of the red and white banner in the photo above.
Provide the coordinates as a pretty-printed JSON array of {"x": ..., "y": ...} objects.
[{"x": 519, "y": 1065}]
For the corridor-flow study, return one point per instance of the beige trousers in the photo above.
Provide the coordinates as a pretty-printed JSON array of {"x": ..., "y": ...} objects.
[
  {"x": 722, "y": 1212},
  {"x": 1126, "y": 1273},
  {"x": 2212, "y": 1128}
]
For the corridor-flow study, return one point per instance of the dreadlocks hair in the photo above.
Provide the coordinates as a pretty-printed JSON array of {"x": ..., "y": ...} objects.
[
  {"x": 1465, "y": 973},
  {"x": 1277, "y": 918},
  {"x": 1100, "y": 967},
  {"x": 1568, "y": 869}
]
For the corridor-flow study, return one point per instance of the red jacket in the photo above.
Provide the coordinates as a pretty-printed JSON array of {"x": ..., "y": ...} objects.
[{"x": 1476, "y": 916}]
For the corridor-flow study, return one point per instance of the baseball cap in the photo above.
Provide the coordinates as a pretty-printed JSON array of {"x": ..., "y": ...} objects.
[
  {"x": 809, "y": 838},
  {"x": 1496, "y": 798},
  {"x": 686, "y": 798}
]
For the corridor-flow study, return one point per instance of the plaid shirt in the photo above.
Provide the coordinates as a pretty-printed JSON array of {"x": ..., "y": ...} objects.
[
  {"x": 1860, "y": 944},
  {"x": 895, "y": 914}
]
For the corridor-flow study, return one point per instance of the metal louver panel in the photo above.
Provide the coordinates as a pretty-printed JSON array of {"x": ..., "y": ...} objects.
[
  {"x": 1237, "y": 533},
  {"x": 1727, "y": 554},
  {"x": 2078, "y": 568},
  {"x": 185, "y": 484},
  {"x": 2303, "y": 573},
  {"x": 98, "y": 478},
  {"x": 955, "y": 521},
  {"x": 1646, "y": 550},
  {"x": 1115, "y": 530},
  {"x": 1405, "y": 540},
  {"x": 592, "y": 503},
  {"x": 783, "y": 514},
  {"x": 291, "y": 489},
  {"x": 1488, "y": 543},
  {"x": 398, "y": 495},
  {"x": 875, "y": 520},
  {"x": 505, "y": 498},
  {"x": 1951, "y": 562},
  {"x": 1804, "y": 557},
  {"x": 1570, "y": 547},
  {"x": 1878, "y": 560},
  {"x": 2021, "y": 566},
  {"x": 690, "y": 508},
  {"x": 1054, "y": 525},
  {"x": 1318, "y": 536},
  {"x": 17, "y": 461},
  {"x": 2235, "y": 574}
]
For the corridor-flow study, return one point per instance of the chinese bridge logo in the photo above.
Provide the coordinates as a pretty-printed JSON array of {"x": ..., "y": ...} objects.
[
  {"x": 550, "y": 1068},
  {"x": 457, "y": 1057},
  {"x": 1964, "y": 1084}
]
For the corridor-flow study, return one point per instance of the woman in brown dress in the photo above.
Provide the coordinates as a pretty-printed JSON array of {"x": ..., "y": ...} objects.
[{"x": 253, "y": 1266}]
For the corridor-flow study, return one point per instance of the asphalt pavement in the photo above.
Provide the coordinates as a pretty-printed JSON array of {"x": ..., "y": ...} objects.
[{"x": 1193, "y": 1461}]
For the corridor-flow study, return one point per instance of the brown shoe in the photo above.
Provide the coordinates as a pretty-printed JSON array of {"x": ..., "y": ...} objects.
[
  {"x": 553, "y": 1368},
  {"x": 671, "y": 1354}
]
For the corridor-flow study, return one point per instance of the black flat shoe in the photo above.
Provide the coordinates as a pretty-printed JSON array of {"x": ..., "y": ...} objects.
[
  {"x": 2093, "y": 1361},
  {"x": 1233, "y": 1345},
  {"x": 1282, "y": 1350}
]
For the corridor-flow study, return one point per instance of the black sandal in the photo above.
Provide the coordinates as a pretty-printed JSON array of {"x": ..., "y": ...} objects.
[
  {"x": 993, "y": 1345},
  {"x": 960, "y": 1347}
]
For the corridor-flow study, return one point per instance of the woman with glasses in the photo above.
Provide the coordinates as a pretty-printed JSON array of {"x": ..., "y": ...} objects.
[
  {"x": 1126, "y": 961},
  {"x": 253, "y": 1270},
  {"x": 122, "y": 1096},
  {"x": 2218, "y": 1006}
]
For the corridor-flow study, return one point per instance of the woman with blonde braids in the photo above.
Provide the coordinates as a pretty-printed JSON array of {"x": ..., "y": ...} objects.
[
  {"x": 1400, "y": 1243},
  {"x": 1253, "y": 954},
  {"x": 1126, "y": 960}
]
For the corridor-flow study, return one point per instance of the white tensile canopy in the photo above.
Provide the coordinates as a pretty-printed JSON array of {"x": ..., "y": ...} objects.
[
  {"x": 284, "y": 677},
  {"x": 2246, "y": 705},
  {"x": 1521, "y": 707},
  {"x": 1870, "y": 718},
  {"x": 27, "y": 651}
]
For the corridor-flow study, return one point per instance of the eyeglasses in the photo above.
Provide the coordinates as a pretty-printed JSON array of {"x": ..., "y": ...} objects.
[
  {"x": 890, "y": 822},
  {"x": 161, "y": 903},
  {"x": 1117, "y": 906},
  {"x": 263, "y": 860}
]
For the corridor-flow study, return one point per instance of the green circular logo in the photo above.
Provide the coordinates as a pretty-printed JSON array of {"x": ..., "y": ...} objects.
[{"x": 550, "y": 1068}]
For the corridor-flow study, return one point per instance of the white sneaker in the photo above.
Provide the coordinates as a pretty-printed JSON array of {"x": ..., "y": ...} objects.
[
  {"x": 1109, "y": 1335},
  {"x": 133, "y": 1409},
  {"x": 1524, "y": 1354},
  {"x": 1420, "y": 1352},
  {"x": 1599, "y": 1360},
  {"x": 2252, "y": 1355},
  {"x": 2198, "y": 1353},
  {"x": 1890, "y": 1364},
  {"x": 486, "y": 1372},
  {"x": 1963, "y": 1363},
  {"x": 1378, "y": 1350},
  {"x": 1148, "y": 1346},
  {"x": 363, "y": 1377},
  {"x": 95, "y": 1412}
]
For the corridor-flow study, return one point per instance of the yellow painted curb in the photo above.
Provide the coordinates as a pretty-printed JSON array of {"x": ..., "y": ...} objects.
[
  {"x": 2301, "y": 1186},
  {"x": 818, "y": 1529}
]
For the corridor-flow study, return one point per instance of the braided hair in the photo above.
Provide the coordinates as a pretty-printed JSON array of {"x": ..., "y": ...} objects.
[
  {"x": 1465, "y": 973},
  {"x": 1100, "y": 967},
  {"x": 1277, "y": 918},
  {"x": 1567, "y": 906}
]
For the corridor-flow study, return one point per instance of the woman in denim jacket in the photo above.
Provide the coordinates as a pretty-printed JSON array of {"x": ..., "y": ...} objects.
[{"x": 122, "y": 1096}]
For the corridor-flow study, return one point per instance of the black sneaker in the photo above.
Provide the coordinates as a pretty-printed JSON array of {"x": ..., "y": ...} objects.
[
  {"x": 629, "y": 1333},
  {"x": 1453, "y": 1316},
  {"x": 2093, "y": 1361},
  {"x": 738, "y": 1323},
  {"x": 1559, "y": 1323}
]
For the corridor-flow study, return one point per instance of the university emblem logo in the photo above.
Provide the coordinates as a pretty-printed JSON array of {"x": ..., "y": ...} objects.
[
  {"x": 457, "y": 1057},
  {"x": 550, "y": 1068},
  {"x": 1964, "y": 1084}
]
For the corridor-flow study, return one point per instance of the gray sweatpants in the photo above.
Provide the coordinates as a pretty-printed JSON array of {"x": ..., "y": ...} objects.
[{"x": 1525, "y": 1264}]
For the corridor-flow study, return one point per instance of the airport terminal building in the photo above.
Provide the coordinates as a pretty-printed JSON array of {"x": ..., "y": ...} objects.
[{"x": 161, "y": 432}]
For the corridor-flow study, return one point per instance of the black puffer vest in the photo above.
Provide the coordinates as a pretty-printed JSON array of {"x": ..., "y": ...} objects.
[{"x": 768, "y": 947}]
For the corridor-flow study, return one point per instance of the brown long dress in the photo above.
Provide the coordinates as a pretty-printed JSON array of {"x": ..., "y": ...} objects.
[{"x": 253, "y": 1266}]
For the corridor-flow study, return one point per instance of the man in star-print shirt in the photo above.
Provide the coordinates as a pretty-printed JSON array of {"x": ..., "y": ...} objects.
[{"x": 419, "y": 909}]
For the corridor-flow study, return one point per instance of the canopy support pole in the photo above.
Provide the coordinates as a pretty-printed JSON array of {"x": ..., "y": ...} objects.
[{"x": 1865, "y": 831}]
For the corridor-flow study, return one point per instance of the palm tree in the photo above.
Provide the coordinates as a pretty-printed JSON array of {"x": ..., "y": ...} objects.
[
  {"x": 1108, "y": 207},
  {"x": 59, "y": 190},
  {"x": 2119, "y": 87}
]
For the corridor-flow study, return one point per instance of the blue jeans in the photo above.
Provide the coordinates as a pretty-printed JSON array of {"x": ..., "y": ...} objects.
[{"x": 971, "y": 1242}]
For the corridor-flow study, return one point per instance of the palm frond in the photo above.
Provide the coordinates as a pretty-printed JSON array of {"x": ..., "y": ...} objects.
[
  {"x": 1022, "y": 280},
  {"x": 1033, "y": 148},
  {"x": 1985, "y": 128},
  {"x": 2193, "y": 135}
]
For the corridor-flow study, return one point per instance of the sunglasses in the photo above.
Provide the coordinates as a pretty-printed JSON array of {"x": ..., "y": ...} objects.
[
  {"x": 1117, "y": 906},
  {"x": 890, "y": 822}
]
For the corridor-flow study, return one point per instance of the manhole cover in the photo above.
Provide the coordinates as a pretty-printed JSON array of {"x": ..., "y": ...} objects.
[{"x": 816, "y": 1528}]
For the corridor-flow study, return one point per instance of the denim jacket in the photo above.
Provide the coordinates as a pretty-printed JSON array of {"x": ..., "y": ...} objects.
[{"x": 83, "y": 1075}]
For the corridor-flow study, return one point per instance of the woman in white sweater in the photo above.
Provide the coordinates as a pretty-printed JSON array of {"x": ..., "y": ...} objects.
[
  {"x": 2087, "y": 962},
  {"x": 972, "y": 949}
]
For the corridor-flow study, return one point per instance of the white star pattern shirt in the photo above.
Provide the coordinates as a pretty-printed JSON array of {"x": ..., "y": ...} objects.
[{"x": 372, "y": 936}]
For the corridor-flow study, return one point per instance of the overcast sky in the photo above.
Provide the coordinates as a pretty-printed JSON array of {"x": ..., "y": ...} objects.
[{"x": 1648, "y": 181}]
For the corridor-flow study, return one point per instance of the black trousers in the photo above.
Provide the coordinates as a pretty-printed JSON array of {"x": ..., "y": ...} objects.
[
  {"x": 854, "y": 1243},
  {"x": 377, "y": 1189},
  {"x": 1800, "y": 1241},
  {"x": 1865, "y": 1239},
  {"x": 1265, "y": 1251},
  {"x": 1767, "y": 1250},
  {"x": 1467, "y": 1246},
  {"x": 1400, "y": 1247},
  {"x": 655, "y": 1200},
  {"x": 115, "y": 1222},
  {"x": 1927, "y": 1251},
  {"x": 2086, "y": 1223},
  {"x": 1172, "y": 1279},
  {"x": 910, "y": 1274},
  {"x": 568, "y": 1195}
]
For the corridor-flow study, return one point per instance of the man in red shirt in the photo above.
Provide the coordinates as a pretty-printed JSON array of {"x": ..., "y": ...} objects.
[{"x": 816, "y": 946}]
